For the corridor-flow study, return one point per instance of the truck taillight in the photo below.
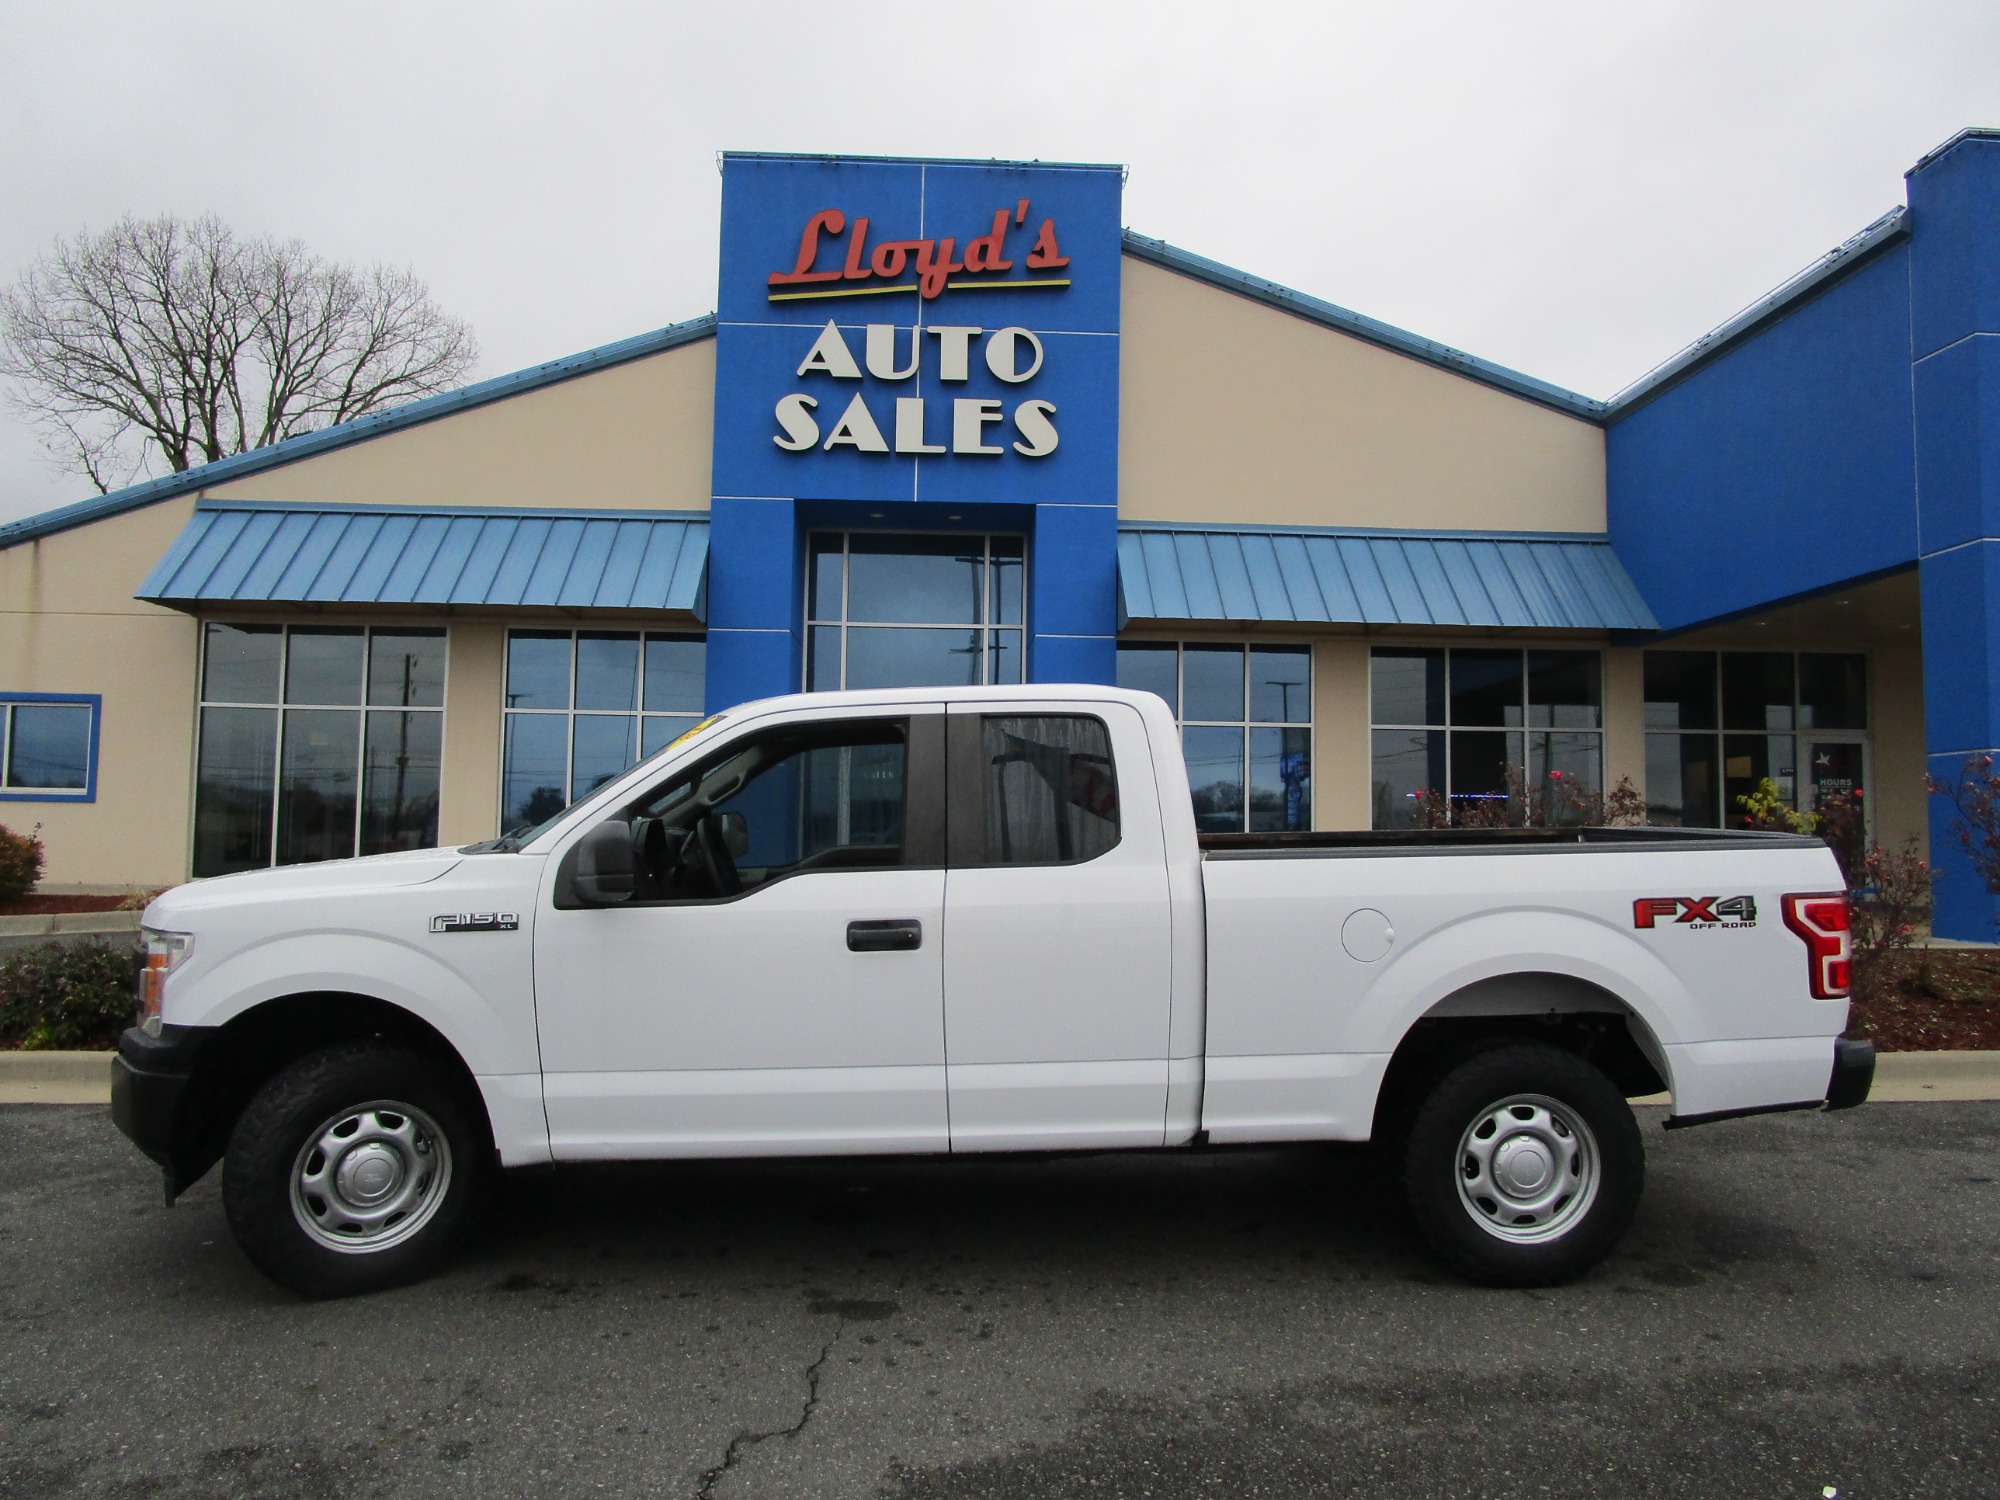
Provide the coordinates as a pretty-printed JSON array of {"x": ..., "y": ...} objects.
[
  {"x": 164, "y": 950},
  {"x": 1821, "y": 921}
]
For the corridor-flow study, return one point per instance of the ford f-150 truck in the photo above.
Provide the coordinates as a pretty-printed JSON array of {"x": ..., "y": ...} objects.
[{"x": 961, "y": 920}]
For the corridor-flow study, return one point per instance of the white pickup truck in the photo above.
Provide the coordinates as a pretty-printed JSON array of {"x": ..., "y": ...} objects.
[{"x": 971, "y": 920}]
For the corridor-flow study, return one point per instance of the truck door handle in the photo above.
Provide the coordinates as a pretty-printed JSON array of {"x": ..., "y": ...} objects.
[{"x": 896, "y": 936}]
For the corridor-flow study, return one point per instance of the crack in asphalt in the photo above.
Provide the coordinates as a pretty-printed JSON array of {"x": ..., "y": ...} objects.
[{"x": 745, "y": 1440}]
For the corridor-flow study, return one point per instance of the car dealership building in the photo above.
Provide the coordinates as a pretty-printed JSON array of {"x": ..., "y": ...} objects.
[{"x": 951, "y": 424}]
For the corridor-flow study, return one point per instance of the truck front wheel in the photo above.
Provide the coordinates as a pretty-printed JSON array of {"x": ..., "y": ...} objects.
[
  {"x": 354, "y": 1169},
  {"x": 1523, "y": 1166}
]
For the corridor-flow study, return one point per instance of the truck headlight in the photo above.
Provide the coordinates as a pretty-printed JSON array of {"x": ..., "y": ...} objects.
[{"x": 164, "y": 952}]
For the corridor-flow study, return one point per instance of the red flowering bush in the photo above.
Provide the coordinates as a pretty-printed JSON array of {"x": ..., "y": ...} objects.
[
  {"x": 1975, "y": 805},
  {"x": 20, "y": 861}
]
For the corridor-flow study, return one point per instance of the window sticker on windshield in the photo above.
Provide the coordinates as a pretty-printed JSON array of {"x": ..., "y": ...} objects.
[{"x": 688, "y": 734}]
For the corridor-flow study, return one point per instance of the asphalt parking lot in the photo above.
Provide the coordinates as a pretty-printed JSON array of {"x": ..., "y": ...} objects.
[{"x": 1806, "y": 1302}]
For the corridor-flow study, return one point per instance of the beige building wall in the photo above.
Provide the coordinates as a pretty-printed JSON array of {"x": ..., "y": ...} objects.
[
  {"x": 1901, "y": 805},
  {"x": 635, "y": 436},
  {"x": 475, "y": 688},
  {"x": 1232, "y": 411},
  {"x": 69, "y": 624},
  {"x": 1341, "y": 780},
  {"x": 1897, "y": 712},
  {"x": 1624, "y": 717}
]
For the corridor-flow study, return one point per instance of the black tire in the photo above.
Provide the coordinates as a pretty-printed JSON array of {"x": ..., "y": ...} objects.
[
  {"x": 448, "y": 1138},
  {"x": 1506, "y": 1241}
]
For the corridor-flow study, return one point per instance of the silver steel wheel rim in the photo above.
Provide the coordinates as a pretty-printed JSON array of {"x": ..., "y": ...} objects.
[
  {"x": 1528, "y": 1169},
  {"x": 370, "y": 1177}
]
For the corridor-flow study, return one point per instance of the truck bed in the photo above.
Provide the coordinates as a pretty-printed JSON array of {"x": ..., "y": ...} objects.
[{"x": 1351, "y": 843}]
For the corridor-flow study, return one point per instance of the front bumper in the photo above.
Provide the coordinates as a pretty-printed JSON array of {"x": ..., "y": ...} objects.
[
  {"x": 149, "y": 1080},
  {"x": 1853, "y": 1073}
]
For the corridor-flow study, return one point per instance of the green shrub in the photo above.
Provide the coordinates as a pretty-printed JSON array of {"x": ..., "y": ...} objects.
[
  {"x": 20, "y": 861},
  {"x": 63, "y": 995}
]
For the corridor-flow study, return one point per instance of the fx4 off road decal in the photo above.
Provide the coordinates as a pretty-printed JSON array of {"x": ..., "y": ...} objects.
[
  {"x": 477, "y": 921},
  {"x": 1695, "y": 911}
]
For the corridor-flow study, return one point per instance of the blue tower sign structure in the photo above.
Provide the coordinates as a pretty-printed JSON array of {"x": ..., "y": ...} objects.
[{"x": 914, "y": 347}]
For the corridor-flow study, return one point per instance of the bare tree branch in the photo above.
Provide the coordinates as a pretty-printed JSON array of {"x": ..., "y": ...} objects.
[{"x": 164, "y": 343}]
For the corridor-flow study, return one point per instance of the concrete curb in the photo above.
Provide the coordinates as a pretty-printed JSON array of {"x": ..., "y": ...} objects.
[
  {"x": 1913, "y": 1077},
  {"x": 55, "y": 1077},
  {"x": 1900, "y": 1077},
  {"x": 21, "y": 932},
  {"x": 62, "y": 923}
]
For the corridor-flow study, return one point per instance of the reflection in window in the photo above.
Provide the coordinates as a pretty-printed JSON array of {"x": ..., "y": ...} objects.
[
  {"x": 1246, "y": 727},
  {"x": 1492, "y": 735},
  {"x": 1051, "y": 790},
  {"x": 1772, "y": 708},
  {"x": 45, "y": 746},
  {"x": 316, "y": 742},
  {"x": 583, "y": 706},
  {"x": 888, "y": 611},
  {"x": 821, "y": 797}
]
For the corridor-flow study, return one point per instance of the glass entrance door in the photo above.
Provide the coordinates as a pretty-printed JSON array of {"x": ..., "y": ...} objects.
[
  {"x": 1834, "y": 769},
  {"x": 894, "y": 611}
]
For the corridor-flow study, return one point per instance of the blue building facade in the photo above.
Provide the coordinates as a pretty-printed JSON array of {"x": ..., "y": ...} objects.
[{"x": 1844, "y": 431}]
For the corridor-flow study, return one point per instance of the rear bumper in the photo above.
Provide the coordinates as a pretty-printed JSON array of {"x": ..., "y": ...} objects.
[
  {"x": 149, "y": 1081},
  {"x": 1846, "y": 1086},
  {"x": 1853, "y": 1073}
]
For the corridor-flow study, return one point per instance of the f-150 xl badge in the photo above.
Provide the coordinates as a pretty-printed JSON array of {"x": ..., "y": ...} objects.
[
  {"x": 1697, "y": 911},
  {"x": 477, "y": 921}
]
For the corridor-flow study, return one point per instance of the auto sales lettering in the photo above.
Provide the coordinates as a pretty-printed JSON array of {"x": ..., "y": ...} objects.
[{"x": 890, "y": 353}]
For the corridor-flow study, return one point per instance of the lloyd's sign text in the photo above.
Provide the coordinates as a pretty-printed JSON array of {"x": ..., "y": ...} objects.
[{"x": 865, "y": 271}]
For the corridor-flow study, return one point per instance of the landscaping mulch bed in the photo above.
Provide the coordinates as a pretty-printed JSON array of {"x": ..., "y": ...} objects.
[
  {"x": 43, "y": 906},
  {"x": 1934, "y": 1000}
]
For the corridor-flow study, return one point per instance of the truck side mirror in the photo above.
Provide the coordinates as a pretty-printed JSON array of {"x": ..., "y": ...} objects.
[
  {"x": 604, "y": 868},
  {"x": 735, "y": 831}
]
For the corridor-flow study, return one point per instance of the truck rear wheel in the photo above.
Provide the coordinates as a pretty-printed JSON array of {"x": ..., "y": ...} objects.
[
  {"x": 1523, "y": 1166},
  {"x": 355, "y": 1169}
]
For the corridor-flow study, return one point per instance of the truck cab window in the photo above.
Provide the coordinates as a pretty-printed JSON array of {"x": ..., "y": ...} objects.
[
  {"x": 805, "y": 798},
  {"x": 1050, "y": 789}
]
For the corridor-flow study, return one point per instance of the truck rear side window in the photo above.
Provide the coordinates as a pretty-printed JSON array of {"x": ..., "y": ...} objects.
[{"x": 1050, "y": 789}]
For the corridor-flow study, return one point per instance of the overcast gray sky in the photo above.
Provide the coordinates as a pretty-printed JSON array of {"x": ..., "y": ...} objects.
[{"x": 1576, "y": 190}]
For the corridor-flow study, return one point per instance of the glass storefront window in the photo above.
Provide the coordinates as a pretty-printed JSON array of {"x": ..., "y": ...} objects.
[
  {"x": 1760, "y": 701},
  {"x": 1683, "y": 780},
  {"x": 1833, "y": 690},
  {"x": 45, "y": 747},
  {"x": 888, "y": 610},
  {"x": 1486, "y": 687},
  {"x": 1757, "y": 690},
  {"x": 1406, "y": 686},
  {"x": 1152, "y": 667},
  {"x": 1485, "y": 728},
  {"x": 1680, "y": 690},
  {"x": 1246, "y": 727},
  {"x": 316, "y": 742},
  {"x": 585, "y": 705}
]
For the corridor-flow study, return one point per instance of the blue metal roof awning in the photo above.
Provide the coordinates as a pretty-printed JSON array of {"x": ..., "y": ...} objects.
[
  {"x": 1527, "y": 581},
  {"x": 245, "y": 552}
]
